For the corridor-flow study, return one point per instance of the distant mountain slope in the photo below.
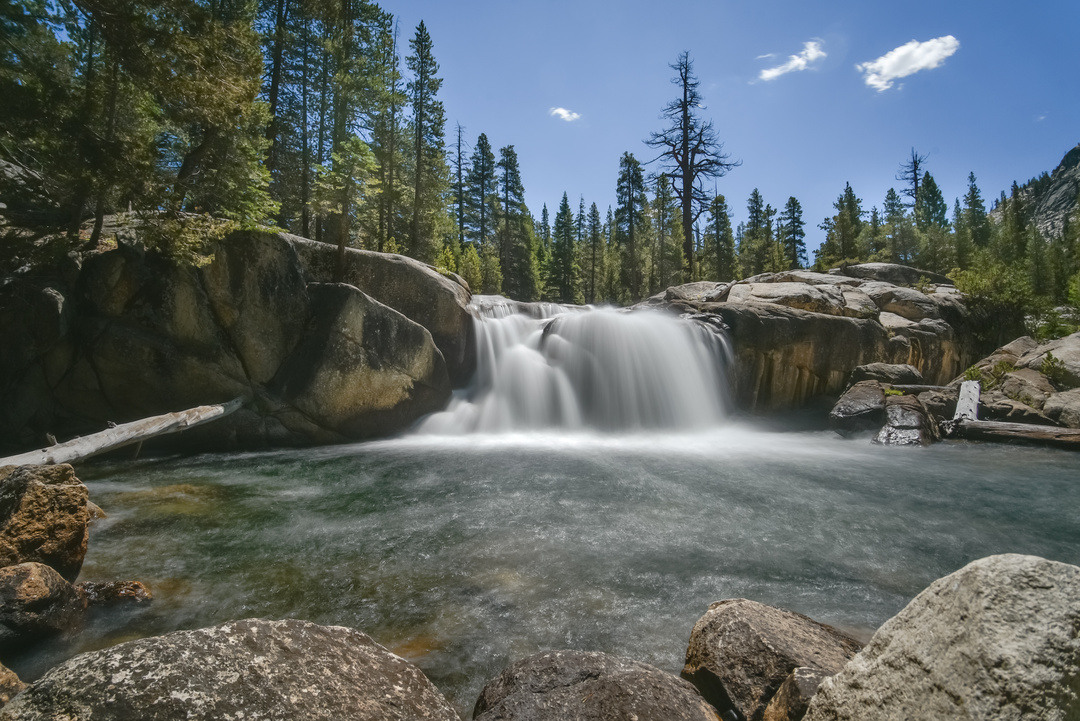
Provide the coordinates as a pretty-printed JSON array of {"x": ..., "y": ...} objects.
[{"x": 1051, "y": 198}]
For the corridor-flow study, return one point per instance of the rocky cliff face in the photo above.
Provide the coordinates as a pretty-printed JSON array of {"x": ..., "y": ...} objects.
[
  {"x": 130, "y": 334},
  {"x": 798, "y": 335},
  {"x": 1057, "y": 202}
]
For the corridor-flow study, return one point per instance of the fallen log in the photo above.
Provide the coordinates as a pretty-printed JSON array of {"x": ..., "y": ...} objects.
[
  {"x": 915, "y": 389},
  {"x": 124, "y": 434},
  {"x": 1023, "y": 432}
]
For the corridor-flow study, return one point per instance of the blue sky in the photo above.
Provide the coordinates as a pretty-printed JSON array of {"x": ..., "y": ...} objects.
[{"x": 999, "y": 92}]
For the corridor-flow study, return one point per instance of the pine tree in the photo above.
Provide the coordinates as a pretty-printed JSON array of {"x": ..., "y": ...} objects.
[
  {"x": 753, "y": 242},
  {"x": 470, "y": 268},
  {"x": 911, "y": 173},
  {"x": 794, "y": 233},
  {"x": 429, "y": 163},
  {"x": 481, "y": 193},
  {"x": 975, "y": 218},
  {"x": 690, "y": 151},
  {"x": 563, "y": 271},
  {"x": 594, "y": 260},
  {"x": 666, "y": 268},
  {"x": 514, "y": 234},
  {"x": 931, "y": 209},
  {"x": 630, "y": 221},
  {"x": 721, "y": 241},
  {"x": 457, "y": 166}
]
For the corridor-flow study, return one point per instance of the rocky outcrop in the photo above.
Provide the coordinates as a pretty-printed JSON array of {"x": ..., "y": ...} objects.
[
  {"x": 43, "y": 518},
  {"x": 134, "y": 334},
  {"x": 907, "y": 423},
  {"x": 1030, "y": 382},
  {"x": 798, "y": 335},
  {"x": 1052, "y": 197},
  {"x": 740, "y": 653},
  {"x": 414, "y": 289},
  {"x": 891, "y": 373},
  {"x": 251, "y": 669},
  {"x": 997, "y": 639},
  {"x": 860, "y": 409},
  {"x": 35, "y": 602},
  {"x": 893, "y": 273},
  {"x": 583, "y": 686}
]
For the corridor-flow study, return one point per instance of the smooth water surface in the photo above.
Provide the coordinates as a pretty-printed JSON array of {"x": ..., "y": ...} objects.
[{"x": 466, "y": 553}]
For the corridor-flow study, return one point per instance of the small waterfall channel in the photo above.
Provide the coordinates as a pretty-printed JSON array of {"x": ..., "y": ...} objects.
[{"x": 543, "y": 366}]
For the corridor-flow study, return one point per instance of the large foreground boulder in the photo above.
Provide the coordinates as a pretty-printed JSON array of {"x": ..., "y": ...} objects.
[
  {"x": 741, "y": 651},
  {"x": 253, "y": 669},
  {"x": 998, "y": 639},
  {"x": 860, "y": 409},
  {"x": 584, "y": 686},
  {"x": 43, "y": 517}
]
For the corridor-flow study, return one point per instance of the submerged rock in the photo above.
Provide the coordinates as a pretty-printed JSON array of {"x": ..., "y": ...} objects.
[
  {"x": 35, "y": 602},
  {"x": 740, "y": 653},
  {"x": 998, "y": 639},
  {"x": 43, "y": 517},
  {"x": 111, "y": 593},
  {"x": 253, "y": 669},
  {"x": 585, "y": 686}
]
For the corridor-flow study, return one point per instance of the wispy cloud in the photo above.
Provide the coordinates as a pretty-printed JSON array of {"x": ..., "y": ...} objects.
[
  {"x": 564, "y": 114},
  {"x": 906, "y": 60},
  {"x": 766, "y": 56},
  {"x": 1040, "y": 118},
  {"x": 810, "y": 54}
]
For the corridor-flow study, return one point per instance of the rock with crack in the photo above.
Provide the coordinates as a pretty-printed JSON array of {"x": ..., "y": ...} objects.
[
  {"x": 741, "y": 652},
  {"x": 907, "y": 423}
]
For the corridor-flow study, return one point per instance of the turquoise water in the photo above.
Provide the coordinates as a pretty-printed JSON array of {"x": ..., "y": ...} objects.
[{"x": 466, "y": 553}]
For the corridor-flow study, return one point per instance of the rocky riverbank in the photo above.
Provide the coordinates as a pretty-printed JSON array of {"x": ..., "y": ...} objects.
[
  {"x": 125, "y": 334},
  {"x": 797, "y": 335}
]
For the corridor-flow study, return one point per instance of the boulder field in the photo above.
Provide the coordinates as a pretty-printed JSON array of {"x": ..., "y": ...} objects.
[
  {"x": 997, "y": 639},
  {"x": 125, "y": 334},
  {"x": 797, "y": 335}
]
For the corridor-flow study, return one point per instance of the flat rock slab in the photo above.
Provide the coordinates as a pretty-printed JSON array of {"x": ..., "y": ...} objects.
[
  {"x": 253, "y": 670},
  {"x": 585, "y": 686},
  {"x": 741, "y": 651},
  {"x": 998, "y": 639}
]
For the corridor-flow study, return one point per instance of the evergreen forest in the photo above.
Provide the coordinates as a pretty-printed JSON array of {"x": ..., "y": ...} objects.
[{"x": 324, "y": 118}]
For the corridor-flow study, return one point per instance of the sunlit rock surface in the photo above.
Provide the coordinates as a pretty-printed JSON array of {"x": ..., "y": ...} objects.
[
  {"x": 254, "y": 670},
  {"x": 997, "y": 639},
  {"x": 797, "y": 335},
  {"x": 43, "y": 517}
]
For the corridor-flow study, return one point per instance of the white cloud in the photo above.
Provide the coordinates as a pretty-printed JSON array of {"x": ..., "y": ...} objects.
[
  {"x": 907, "y": 59},
  {"x": 811, "y": 52},
  {"x": 564, "y": 114}
]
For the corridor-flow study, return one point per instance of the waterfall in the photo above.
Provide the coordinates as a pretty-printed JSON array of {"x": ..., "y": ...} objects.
[{"x": 547, "y": 366}]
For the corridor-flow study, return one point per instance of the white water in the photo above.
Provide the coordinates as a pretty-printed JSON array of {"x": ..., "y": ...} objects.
[{"x": 545, "y": 366}]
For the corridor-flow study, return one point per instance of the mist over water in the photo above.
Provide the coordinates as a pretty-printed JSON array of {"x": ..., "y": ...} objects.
[{"x": 465, "y": 550}]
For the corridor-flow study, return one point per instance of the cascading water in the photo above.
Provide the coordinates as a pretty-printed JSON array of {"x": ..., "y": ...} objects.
[{"x": 547, "y": 366}]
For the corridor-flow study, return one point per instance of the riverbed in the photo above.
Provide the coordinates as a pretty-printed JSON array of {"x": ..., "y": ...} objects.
[{"x": 465, "y": 553}]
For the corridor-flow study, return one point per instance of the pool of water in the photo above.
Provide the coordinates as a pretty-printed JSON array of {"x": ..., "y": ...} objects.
[{"x": 466, "y": 553}]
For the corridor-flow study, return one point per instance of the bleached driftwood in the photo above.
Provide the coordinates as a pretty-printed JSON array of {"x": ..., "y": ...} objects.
[
  {"x": 967, "y": 406},
  {"x": 966, "y": 424},
  {"x": 122, "y": 435},
  {"x": 1026, "y": 432}
]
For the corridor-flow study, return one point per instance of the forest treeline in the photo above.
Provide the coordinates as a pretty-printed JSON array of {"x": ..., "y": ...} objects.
[{"x": 323, "y": 117}]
